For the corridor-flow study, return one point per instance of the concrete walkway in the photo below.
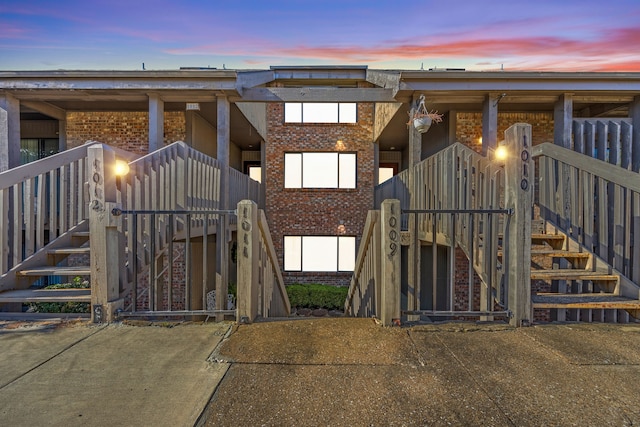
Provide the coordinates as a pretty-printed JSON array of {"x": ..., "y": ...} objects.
[
  {"x": 341, "y": 372},
  {"x": 113, "y": 375}
]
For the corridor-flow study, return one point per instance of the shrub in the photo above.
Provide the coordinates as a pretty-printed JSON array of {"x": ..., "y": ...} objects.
[
  {"x": 317, "y": 296},
  {"x": 63, "y": 307}
]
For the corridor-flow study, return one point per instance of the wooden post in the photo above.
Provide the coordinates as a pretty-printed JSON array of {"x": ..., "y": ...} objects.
[
  {"x": 223, "y": 230},
  {"x": 156, "y": 122},
  {"x": 9, "y": 132},
  {"x": 490, "y": 122},
  {"x": 248, "y": 262},
  {"x": 414, "y": 274},
  {"x": 563, "y": 120},
  {"x": 519, "y": 176},
  {"x": 390, "y": 268},
  {"x": 107, "y": 245},
  {"x": 634, "y": 113}
]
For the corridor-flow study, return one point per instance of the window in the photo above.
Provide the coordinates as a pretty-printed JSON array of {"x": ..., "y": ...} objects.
[
  {"x": 319, "y": 170},
  {"x": 386, "y": 171},
  {"x": 320, "y": 112},
  {"x": 319, "y": 253}
]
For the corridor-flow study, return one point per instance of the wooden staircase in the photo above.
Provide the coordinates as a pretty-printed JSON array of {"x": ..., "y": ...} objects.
[
  {"x": 570, "y": 284},
  {"x": 52, "y": 260}
]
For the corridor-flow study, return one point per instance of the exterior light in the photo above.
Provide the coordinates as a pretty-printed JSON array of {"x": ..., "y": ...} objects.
[
  {"x": 122, "y": 168},
  {"x": 501, "y": 153},
  {"x": 193, "y": 106}
]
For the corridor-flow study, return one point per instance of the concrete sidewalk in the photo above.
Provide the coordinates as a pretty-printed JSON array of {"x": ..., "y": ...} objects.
[
  {"x": 352, "y": 372},
  {"x": 113, "y": 375},
  {"x": 330, "y": 371}
]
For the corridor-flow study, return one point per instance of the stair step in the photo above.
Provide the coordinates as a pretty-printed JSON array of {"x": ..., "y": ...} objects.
[
  {"x": 559, "y": 254},
  {"x": 584, "y": 301},
  {"x": 70, "y": 251},
  {"x": 55, "y": 271},
  {"x": 46, "y": 295},
  {"x": 20, "y": 316},
  {"x": 81, "y": 234},
  {"x": 563, "y": 274}
]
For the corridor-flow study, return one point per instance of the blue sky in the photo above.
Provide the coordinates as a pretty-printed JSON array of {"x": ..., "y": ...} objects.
[{"x": 558, "y": 35}]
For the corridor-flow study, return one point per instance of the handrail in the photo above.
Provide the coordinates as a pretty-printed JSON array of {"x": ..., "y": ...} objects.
[
  {"x": 361, "y": 297},
  {"x": 261, "y": 289},
  {"x": 597, "y": 205}
]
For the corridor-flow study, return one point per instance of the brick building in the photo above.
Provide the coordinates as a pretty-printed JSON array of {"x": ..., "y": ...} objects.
[{"x": 265, "y": 122}]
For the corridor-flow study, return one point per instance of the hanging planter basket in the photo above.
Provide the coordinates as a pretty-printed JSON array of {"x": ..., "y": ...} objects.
[
  {"x": 421, "y": 118},
  {"x": 422, "y": 124}
]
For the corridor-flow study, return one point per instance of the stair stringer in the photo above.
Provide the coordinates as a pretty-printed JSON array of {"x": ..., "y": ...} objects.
[
  {"x": 625, "y": 287},
  {"x": 9, "y": 280}
]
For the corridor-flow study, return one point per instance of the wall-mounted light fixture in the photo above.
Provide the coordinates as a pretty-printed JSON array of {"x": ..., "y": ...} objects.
[
  {"x": 193, "y": 106},
  {"x": 121, "y": 168}
]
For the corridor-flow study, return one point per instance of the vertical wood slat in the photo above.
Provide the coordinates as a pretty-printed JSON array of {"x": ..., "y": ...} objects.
[
  {"x": 578, "y": 137},
  {"x": 603, "y": 219},
  {"x": 626, "y": 137},
  {"x": 29, "y": 216},
  {"x": 40, "y": 211},
  {"x": 5, "y": 249},
  {"x": 18, "y": 209},
  {"x": 64, "y": 201},
  {"x": 635, "y": 258},
  {"x": 52, "y": 178},
  {"x": 73, "y": 193},
  {"x": 80, "y": 203}
]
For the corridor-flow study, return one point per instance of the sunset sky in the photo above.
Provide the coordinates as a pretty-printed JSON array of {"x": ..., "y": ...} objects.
[{"x": 549, "y": 35}]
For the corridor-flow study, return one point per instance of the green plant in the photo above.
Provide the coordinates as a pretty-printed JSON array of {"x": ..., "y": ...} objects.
[
  {"x": 316, "y": 295},
  {"x": 63, "y": 307}
]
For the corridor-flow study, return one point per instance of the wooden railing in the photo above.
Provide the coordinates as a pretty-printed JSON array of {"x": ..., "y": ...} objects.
[
  {"x": 39, "y": 202},
  {"x": 176, "y": 178},
  {"x": 596, "y": 204},
  {"x": 455, "y": 198},
  {"x": 376, "y": 282},
  {"x": 363, "y": 297},
  {"x": 261, "y": 290},
  {"x": 609, "y": 140}
]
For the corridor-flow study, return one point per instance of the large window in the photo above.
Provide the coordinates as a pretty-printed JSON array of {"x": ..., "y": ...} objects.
[
  {"x": 320, "y": 112},
  {"x": 319, "y": 253},
  {"x": 319, "y": 170}
]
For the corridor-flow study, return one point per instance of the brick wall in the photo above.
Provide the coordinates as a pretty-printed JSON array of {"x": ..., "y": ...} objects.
[
  {"x": 469, "y": 127},
  {"x": 317, "y": 211},
  {"x": 126, "y": 130}
]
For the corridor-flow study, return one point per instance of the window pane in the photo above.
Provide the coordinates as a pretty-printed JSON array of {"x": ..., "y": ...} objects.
[
  {"x": 293, "y": 112},
  {"x": 347, "y": 171},
  {"x": 292, "y": 253},
  {"x": 319, "y": 253},
  {"x": 255, "y": 173},
  {"x": 346, "y": 253},
  {"x": 384, "y": 174},
  {"x": 292, "y": 170},
  {"x": 348, "y": 112},
  {"x": 317, "y": 112},
  {"x": 320, "y": 170}
]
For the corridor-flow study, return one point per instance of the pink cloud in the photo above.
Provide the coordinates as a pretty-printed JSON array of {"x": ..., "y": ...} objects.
[{"x": 610, "y": 51}]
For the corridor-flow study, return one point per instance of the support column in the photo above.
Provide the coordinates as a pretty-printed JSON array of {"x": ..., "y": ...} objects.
[
  {"x": 248, "y": 262},
  {"x": 156, "y": 122},
  {"x": 518, "y": 189},
  {"x": 9, "y": 132},
  {"x": 107, "y": 243},
  {"x": 634, "y": 113},
  {"x": 490, "y": 122},
  {"x": 413, "y": 273},
  {"x": 390, "y": 269},
  {"x": 563, "y": 120},
  {"x": 223, "y": 235}
]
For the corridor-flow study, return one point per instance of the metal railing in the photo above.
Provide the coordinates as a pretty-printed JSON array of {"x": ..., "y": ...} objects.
[{"x": 168, "y": 287}]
